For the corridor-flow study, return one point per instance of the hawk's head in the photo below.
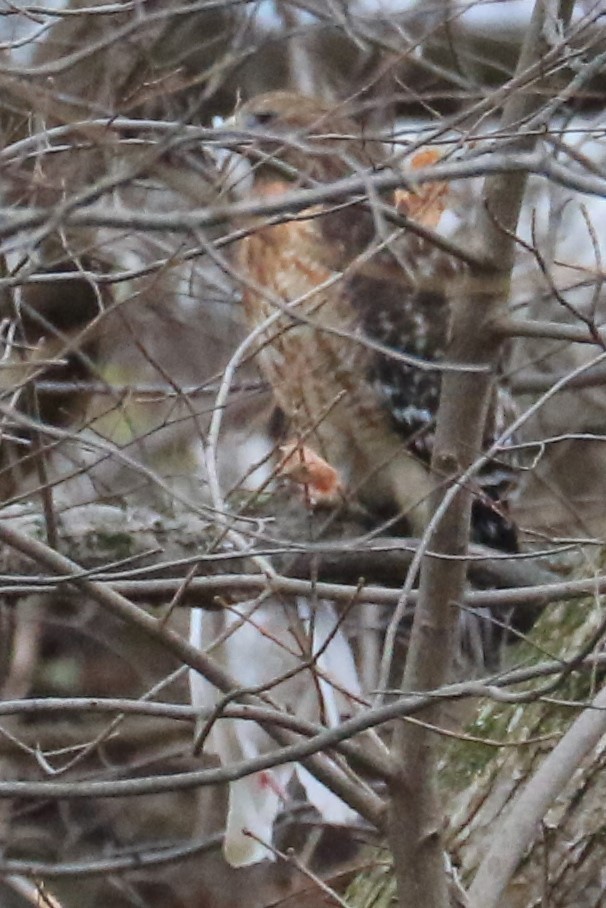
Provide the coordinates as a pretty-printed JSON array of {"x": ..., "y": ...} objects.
[{"x": 303, "y": 139}]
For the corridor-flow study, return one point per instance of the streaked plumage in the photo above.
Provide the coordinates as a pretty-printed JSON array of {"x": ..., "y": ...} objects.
[
  {"x": 342, "y": 289},
  {"x": 338, "y": 299}
]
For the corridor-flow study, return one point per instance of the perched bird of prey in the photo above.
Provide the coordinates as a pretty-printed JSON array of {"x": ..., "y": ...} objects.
[{"x": 351, "y": 312}]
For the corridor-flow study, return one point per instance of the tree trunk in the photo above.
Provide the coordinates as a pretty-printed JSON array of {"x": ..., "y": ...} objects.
[{"x": 564, "y": 865}]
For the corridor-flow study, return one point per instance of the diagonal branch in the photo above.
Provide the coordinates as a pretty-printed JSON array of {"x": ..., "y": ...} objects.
[
  {"x": 354, "y": 793},
  {"x": 515, "y": 834}
]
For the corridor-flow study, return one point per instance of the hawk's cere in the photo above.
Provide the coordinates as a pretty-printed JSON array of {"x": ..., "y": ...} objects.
[{"x": 344, "y": 292}]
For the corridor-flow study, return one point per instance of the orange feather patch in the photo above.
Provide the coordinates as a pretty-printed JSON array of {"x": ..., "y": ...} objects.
[{"x": 426, "y": 203}]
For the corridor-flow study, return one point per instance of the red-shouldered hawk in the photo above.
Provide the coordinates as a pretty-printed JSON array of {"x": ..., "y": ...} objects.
[{"x": 346, "y": 294}]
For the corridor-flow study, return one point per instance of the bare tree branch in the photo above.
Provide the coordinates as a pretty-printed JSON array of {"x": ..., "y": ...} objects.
[
  {"x": 513, "y": 836},
  {"x": 358, "y": 795},
  {"x": 415, "y": 817},
  {"x": 354, "y": 189}
]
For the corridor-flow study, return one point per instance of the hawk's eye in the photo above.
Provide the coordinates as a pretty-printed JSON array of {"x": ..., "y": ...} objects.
[{"x": 258, "y": 118}]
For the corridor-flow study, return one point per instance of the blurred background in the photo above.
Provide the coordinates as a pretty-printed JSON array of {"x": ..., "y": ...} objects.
[{"x": 118, "y": 339}]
